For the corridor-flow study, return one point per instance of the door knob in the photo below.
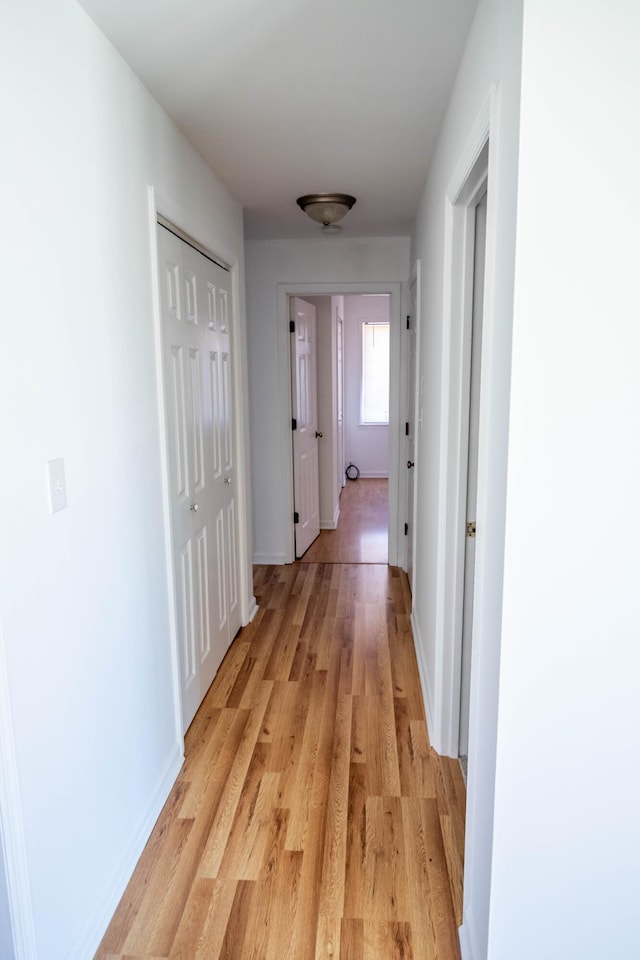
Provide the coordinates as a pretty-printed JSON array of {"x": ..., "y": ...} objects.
[
  {"x": 227, "y": 479},
  {"x": 194, "y": 507},
  {"x": 410, "y": 463},
  {"x": 319, "y": 434}
]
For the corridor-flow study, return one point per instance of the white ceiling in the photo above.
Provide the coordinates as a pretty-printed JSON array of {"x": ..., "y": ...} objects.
[{"x": 286, "y": 97}]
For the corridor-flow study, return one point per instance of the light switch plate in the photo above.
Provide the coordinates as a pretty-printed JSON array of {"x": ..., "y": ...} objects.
[{"x": 57, "y": 485}]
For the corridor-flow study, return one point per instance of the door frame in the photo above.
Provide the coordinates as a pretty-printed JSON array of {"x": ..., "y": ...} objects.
[
  {"x": 414, "y": 409},
  {"x": 396, "y": 400},
  {"x": 475, "y": 172},
  {"x": 195, "y": 233},
  {"x": 472, "y": 377},
  {"x": 340, "y": 406}
]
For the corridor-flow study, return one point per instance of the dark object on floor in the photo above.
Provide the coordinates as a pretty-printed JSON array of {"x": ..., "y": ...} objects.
[{"x": 352, "y": 472}]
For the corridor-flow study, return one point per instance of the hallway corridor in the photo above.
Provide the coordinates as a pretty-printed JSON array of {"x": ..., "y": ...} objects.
[{"x": 308, "y": 819}]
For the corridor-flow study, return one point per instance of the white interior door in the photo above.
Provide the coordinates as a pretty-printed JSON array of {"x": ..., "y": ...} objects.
[
  {"x": 306, "y": 493},
  {"x": 340, "y": 404},
  {"x": 410, "y": 426},
  {"x": 195, "y": 305},
  {"x": 472, "y": 470}
]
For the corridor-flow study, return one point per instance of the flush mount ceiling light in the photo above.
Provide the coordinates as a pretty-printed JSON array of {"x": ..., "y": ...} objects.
[{"x": 326, "y": 208}]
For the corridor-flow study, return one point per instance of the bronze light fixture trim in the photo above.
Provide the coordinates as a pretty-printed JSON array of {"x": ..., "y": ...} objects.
[{"x": 326, "y": 208}]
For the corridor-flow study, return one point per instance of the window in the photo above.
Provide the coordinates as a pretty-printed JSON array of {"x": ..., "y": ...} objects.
[{"x": 374, "y": 401}]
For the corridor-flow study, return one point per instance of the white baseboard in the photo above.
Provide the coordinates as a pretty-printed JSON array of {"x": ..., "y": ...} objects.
[
  {"x": 425, "y": 682},
  {"x": 331, "y": 524},
  {"x": 253, "y": 609},
  {"x": 374, "y": 475},
  {"x": 270, "y": 559},
  {"x": 93, "y": 929}
]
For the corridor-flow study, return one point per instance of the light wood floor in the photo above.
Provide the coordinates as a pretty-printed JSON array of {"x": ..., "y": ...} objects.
[
  {"x": 311, "y": 819},
  {"x": 362, "y": 534}
]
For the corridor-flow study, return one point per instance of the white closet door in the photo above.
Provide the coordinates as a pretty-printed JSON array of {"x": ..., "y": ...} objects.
[
  {"x": 222, "y": 394},
  {"x": 194, "y": 297}
]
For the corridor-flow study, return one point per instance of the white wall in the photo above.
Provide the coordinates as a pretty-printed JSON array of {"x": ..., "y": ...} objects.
[
  {"x": 84, "y": 592},
  {"x": 327, "y": 404},
  {"x": 492, "y": 57},
  {"x": 365, "y": 445},
  {"x": 319, "y": 267},
  {"x": 566, "y": 839}
]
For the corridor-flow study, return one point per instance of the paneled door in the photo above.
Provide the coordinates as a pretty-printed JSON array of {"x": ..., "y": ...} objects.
[
  {"x": 195, "y": 302},
  {"x": 304, "y": 401}
]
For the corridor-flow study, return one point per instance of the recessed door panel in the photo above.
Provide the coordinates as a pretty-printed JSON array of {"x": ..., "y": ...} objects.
[
  {"x": 221, "y": 583},
  {"x": 204, "y": 630},
  {"x": 187, "y": 615},
  {"x": 197, "y": 445},
  {"x": 214, "y": 416},
  {"x": 232, "y": 561},
  {"x": 223, "y": 303},
  {"x": 190, "y": 297},
  {"x": 172, "y": 287},
  {"x": 226, "y": 412},
  {"x": 178, "y": 423},
  {"x": 212, "y": 307}
]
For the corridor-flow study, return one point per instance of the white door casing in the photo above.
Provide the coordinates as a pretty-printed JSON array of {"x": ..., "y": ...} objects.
[
  {"x": 411, "y": 426},
  {"x": 285, "y": 291},
  {"x": 340, "y": 399},
  {"x": 472, "y": 470},
  {"x": 304, "y": 401},
  {"x": 465, "y": 189},
  {"x": 195, "y": 312}
]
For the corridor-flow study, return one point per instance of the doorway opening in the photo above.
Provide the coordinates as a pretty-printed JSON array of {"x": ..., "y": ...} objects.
[
  {"x": 461, "y": 438},
  {"x": 347, "y": 444},
  {"x": 472, "y": 415},
  {"x": 341, "y": 401}
]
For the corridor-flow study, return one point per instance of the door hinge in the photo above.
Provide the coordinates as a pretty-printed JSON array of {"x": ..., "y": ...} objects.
[
  {"x": 408, "y": 322},
  {"x": 292, "y": 326},
  {"x": 406, "y": 429},
  {"x": 471, "y": 528},
  {"x": 296, "y": 517},
  {"x": 406, "y": 529},
  {"x": 294, "y": 423}
]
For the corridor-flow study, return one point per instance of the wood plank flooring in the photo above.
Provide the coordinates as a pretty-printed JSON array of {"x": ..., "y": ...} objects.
[
  {"x": 311, "y": 820},
  {"x": 362, "y": 532}
]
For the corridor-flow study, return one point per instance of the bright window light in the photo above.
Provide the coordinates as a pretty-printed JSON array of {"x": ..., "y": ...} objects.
[{"x": 374, "y": 401}]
